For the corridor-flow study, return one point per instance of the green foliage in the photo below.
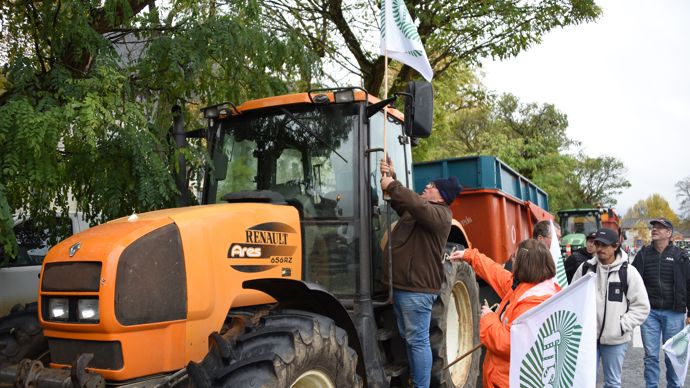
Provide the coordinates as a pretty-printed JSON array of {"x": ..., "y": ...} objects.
[
  {"x": 88, "y": 90},
  {"x": 7, "y": 242},
  {"x": 453, "y": 32},
  {"x": 462, "y": 109},
  {"x": 531, "y": 138},
  {"x": 601, "y": 179}
]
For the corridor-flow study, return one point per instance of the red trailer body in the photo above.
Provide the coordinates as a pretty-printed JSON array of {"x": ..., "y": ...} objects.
[
  {"x": 497, "y": 208},
  {"x": 496, "y": 222}
]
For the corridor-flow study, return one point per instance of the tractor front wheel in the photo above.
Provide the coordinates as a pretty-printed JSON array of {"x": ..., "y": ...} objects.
[
  {"x": 455, "y": 328},
  {"x": 21, "y": 336},
  {"x": 288, "y": 349}
]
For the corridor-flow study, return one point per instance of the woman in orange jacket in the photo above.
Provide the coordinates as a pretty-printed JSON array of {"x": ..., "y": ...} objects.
[{"x": 531, "y": 282}]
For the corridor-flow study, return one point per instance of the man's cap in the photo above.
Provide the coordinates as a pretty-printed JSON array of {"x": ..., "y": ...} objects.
[
  {"x": 591, "y": 236},
  {"x": 449, "y": 188},
  {"x": 606, "y": 236},
  {"x": 664, "y": 222}
]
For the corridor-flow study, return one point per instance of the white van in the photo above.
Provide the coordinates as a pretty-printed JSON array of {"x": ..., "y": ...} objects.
[{"x": 19, "y": 279}]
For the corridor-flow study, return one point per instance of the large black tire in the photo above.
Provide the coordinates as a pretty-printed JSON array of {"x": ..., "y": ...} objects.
[
  {"x": 455, "y": 328},
  {"x": 21, "y": 336},
  {"x": 289, "y": 348}
]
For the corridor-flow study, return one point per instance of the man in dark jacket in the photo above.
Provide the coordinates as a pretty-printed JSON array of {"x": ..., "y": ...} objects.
[
  {"x": 417, "y": 242},
  {"x": 664, "y": 269},
  {"x": 579, "y": 256}
]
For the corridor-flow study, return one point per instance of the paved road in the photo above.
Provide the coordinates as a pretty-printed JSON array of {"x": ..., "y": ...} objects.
[{"x": 633, "y": 367}]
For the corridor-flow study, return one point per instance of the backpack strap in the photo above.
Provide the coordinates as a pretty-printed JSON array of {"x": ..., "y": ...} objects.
[
  {"x": 586, "y": 266},
  {"x": 623, "y": 275}
]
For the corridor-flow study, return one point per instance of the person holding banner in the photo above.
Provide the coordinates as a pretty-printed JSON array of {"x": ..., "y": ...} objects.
[
  {"x": 622, "y": 302},
  {"x": 531, "y": 283}
]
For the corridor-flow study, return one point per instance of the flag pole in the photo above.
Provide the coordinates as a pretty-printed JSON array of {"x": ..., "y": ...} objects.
[{"x": 385, "y": 111}]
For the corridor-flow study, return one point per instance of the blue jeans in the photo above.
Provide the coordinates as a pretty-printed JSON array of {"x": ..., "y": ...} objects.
[
  {"x": 612, "y": 363},
  {"x": 659, "y": 327},
  {"x": 413, "y": 314}
]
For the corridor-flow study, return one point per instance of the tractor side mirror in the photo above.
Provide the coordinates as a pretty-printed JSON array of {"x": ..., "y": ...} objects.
[{"x": 419, "y": 110}]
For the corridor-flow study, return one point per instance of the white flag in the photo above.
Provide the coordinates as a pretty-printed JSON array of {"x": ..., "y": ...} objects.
[
  {"x": 400, "y": 39},
  {"x": 555, "y": 343},
  {"x": 555, "y": 250},
  {"x": 676, "y": 348}
]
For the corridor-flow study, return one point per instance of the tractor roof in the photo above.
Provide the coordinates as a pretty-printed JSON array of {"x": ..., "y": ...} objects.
[{"x": 303, "y": 98}]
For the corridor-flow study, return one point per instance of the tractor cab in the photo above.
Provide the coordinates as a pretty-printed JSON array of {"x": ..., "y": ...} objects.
[
  {"x": 576, "y": 224},
  {"x": 319, "y": 152}
]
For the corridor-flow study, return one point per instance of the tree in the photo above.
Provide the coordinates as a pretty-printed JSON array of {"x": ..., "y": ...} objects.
[
  {"x": 462, "y": 113},
  {"x": 453, "y": 32},
  {"x": 529, "y": 137},
  {"x": 683, "y": 193},
  {"x": 655, "y": 206},
  {"x": 601, "y": 179},
  {"x": 88, "y": 90}
]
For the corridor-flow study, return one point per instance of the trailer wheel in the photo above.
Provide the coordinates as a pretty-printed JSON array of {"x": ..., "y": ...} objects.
[
  {"x": 21, "y": 335},
  {"x": 288, "y": 349},
  {"x": 455, "y": 328}
]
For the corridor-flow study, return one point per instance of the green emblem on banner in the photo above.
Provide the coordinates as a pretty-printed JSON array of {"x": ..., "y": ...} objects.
[{"x": 552, "y": 359}]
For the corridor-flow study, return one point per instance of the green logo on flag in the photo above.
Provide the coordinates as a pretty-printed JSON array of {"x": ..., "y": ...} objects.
[
  {"x": 404, "y": 22},
  {"x": 552, "y": 359}
]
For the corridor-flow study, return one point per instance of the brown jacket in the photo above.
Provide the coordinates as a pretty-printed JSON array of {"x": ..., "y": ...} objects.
[{"x": 418, "y": 240}]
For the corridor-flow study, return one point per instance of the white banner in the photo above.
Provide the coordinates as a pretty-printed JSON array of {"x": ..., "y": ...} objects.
[
  {"x": 555, "y": 249},
  {"x": 400, "y": 39},
  {"x": 676, "y": 348},
  {"x": 555, "y": 344}
]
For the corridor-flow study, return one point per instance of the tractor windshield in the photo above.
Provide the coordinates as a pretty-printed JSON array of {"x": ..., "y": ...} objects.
[
  {"x": 304, "y": 155},
  {"x": 307, "y": 155},
  {"x": 579, "y": 223}
]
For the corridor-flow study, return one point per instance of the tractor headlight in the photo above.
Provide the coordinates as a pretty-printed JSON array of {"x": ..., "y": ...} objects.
[
  {"x": 58, "y": 309},
  {"x": 88, "y": 309}
]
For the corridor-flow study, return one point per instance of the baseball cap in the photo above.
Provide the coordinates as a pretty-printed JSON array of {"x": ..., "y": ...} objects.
[
  {"x": 606, "y": 236},
  {"x": 591, "y": 236},
  {"x": 666, "y": 223}
]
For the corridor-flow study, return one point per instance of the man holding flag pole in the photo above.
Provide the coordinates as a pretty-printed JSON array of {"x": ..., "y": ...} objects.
[{"x": 418, "y": 245}]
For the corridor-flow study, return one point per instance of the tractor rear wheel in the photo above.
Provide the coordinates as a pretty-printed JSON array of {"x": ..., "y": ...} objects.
[
  {"x": 289, "y": 348},
  {"x": 21, "y": 335},
  {"x": 455, "y": 328}
]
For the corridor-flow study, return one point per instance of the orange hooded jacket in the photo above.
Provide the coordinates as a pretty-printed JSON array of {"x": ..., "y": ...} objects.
[{"x": 494, "y": 329}]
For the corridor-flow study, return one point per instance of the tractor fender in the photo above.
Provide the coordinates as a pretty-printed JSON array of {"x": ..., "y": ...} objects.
[{"x": 300, "y": 295}]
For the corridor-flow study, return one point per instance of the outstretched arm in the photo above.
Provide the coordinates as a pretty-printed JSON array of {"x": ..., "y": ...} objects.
[{"x": 491, "y": 272}]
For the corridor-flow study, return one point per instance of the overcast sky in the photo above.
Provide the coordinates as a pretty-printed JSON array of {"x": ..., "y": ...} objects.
[{"x": 624, "y": 83}]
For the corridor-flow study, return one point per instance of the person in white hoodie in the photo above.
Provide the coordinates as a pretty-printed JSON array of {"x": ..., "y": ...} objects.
[{"x": 622, "y": 304}]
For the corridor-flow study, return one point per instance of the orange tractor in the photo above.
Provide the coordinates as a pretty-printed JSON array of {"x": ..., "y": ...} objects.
[{"x": 277, "y": 281}]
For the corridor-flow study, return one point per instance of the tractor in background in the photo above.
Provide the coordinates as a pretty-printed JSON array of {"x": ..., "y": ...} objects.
[{"x": 576, "y": 224}]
